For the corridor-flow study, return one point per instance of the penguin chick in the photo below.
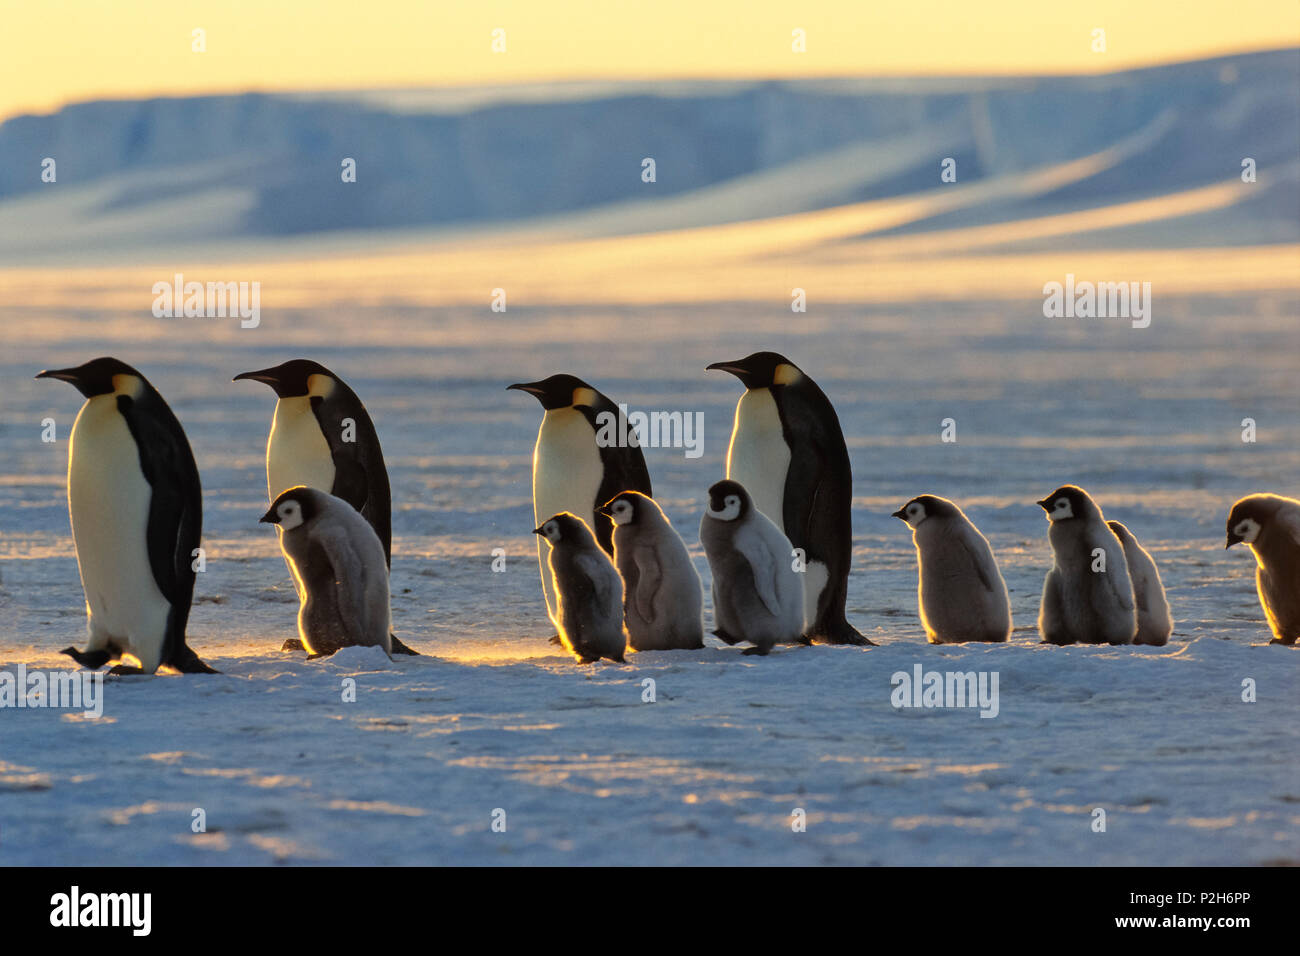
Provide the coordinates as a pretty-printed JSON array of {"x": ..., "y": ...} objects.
[
  {"x": 1088, "y": 595},
  {"x": 961, "y": 593},
  {"x": 663, "y": 599},
  {"x": 1270, "y": 526},
  {"x": 588, "y": 590},
  {"x": 137, "y": 518},
  {"x": 1154, "y": 621},
  {"x": 757, "y": 595},
  {"x": 338, "y": 562}
]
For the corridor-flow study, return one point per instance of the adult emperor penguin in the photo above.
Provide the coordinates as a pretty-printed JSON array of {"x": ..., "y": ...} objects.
[
  {"x": 788, "y": 450},
  {"x": 757, "y": 596},
  {"x": 663, "y": 599},
  {"x": 1154, "y": 621},
  {"x": 574, "y": 471},
  {"x": 1088, "y": 594},
  {"x": 1270, "y": 526},
  {"x": 338, "y": 562},
  {"x": 961, "y": 592},
  {"x": 137, "y": 517},
  {"x": 588, "y": 590},
  {"x": 323, "y": 437}
]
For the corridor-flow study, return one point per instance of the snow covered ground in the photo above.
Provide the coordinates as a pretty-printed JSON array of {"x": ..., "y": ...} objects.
[{"x": 585, "y": 770}]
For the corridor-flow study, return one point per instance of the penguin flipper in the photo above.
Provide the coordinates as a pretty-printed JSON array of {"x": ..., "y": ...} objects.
[
  {"x": 400, "y": 648},
  {"x": 90, "y": 659}
]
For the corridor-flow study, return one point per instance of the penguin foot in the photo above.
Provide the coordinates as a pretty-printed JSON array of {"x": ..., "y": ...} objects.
[
  {"x": 187, "y": 662},
  {"x": 723, "y": 636},
  {"x": 555, "y": 639},
  {"x": 292, "y": 644},
  {"x": 122, "y": 669},
  {"x": 840, "y": 632},
  {"x": 91, "y": 659},
  {"x": 400, "y": 648},
  {"x": 756, "y": 651}
]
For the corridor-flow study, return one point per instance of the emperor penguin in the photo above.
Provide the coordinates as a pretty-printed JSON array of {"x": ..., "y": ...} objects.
[
  {"x": 584, "y": 456},
  {"x": 788, "y": 450},
  {"x": 588, "y": 590},
  {"x": 1270, "y": 526},
  {"x": 338, "y": 563},
  {"x": 1154, "y": 621},
  {"x": 137, "y": 516},
  {"x": 663, "y": 599},
  {"x": 961, "y": 592},
  {"x": 323, "y": 437},
  {"x": 1088, "y": 594},
  {"x": 757, "y": 595}
]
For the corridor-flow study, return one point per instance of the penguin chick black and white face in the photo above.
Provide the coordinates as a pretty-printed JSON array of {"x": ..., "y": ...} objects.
[
  {"x": 922, "y": 507},
  {"x": 1245, "y": 521},
  {"x": 293, "y": 508},
  {"x": 559, "y": 391},
  {"x": 565, "y": 528},
  {"x": 728, "y": 500},
  {"x": 294, "y": 379},
  {"x": 1066, "y": 502},
  {"x": 101, "y": 376},
  {"x": 761, "y": 370},
  {"x": 623, "y": 508}
]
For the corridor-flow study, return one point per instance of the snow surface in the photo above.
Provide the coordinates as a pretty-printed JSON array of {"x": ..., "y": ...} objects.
[{"x": 586, "y": 772}]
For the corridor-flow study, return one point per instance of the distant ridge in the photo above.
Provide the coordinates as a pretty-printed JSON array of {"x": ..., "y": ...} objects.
[{"x": 218, "y": 167}]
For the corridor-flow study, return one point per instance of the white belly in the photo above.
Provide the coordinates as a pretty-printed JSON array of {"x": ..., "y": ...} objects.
[
  {"x": 296, "y": 452},
  {"x": 567, "y": 472},
  {"x": 759, "y": 457},
  {"x": 108, "y": 499}
]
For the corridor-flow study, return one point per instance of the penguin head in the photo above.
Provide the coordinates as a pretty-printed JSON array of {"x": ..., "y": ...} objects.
[
  {"x": 761, "y": 370},
  {"x": 101, "y": 376},
  {"x": 1068, "y": 502},
  {"x": 1247, "y": 519},
  {"x": 559, "y": 391},
  {"x": 925, "y": 506},
  {"x": 294, "y": 379},
  {"x": 293, "y": 508},
  {"x": 565, "y": 528},
  {"x": 626, "y": 508},
  {"x": 728, "y": 501}
]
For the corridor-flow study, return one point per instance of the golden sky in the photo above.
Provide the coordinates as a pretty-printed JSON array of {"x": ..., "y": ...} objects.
[{"x": 57, "y": 51}]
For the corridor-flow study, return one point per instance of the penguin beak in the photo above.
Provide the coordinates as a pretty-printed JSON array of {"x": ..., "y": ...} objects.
[
  {"x": 735, "y": 368},
  {"x": 605, "y": 510},
  {"x": 265, "y": 375},
  {"x": 900, "y": 514},
  {"x": 538, "y": 531},
  {"x": 269, "y": 518},
  {"x": 1232, "y": 539},
  {"x": 1044, "y": 504},
  {"x": 62, "y": 374},
  {"x": 532, "y": 388}
]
